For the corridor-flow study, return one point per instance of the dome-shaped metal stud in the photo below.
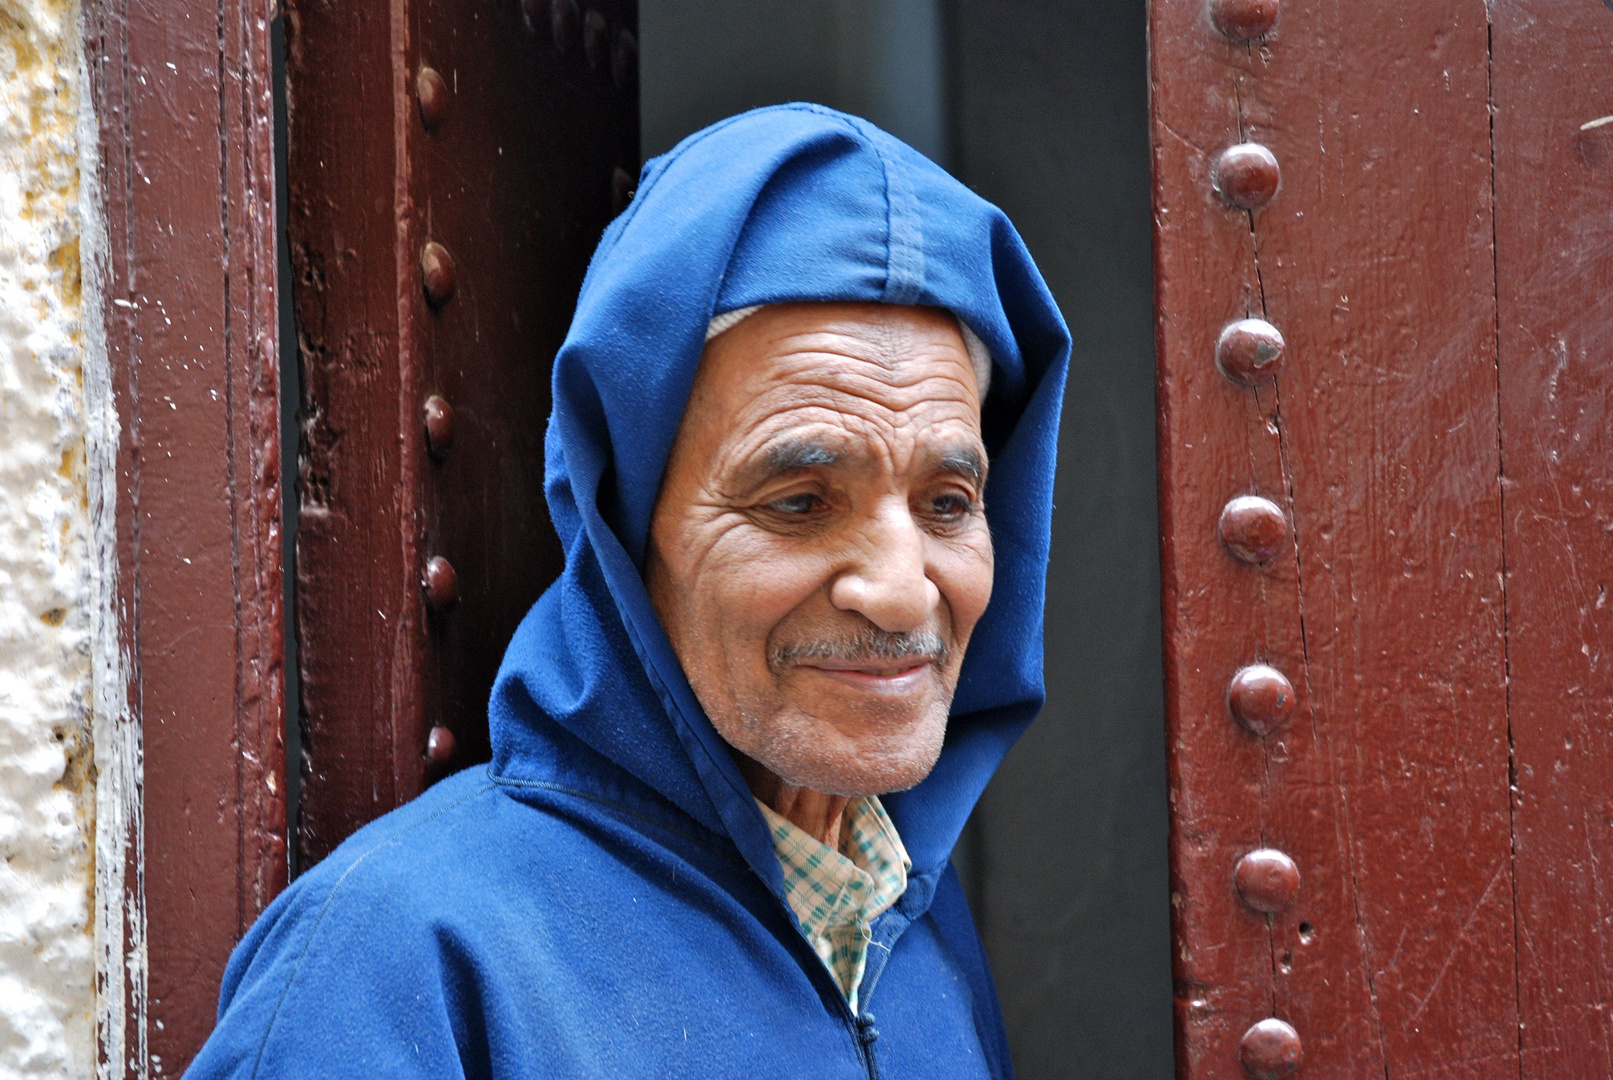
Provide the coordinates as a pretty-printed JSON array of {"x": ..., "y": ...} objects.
[
  {"x": 439, "y": 425},
  {"x": 1247, "y": 176},
  {"x": 1253, "y": 529},
  {"x": 440, "y": 745},
  {"x": 437, "y": 273},
  {"x": 1267, "y": 880},
  {"x": 441, "y": 583},
  {"x": 1261, "y": 698},
  {"x": 621, "y": 189},
  {"x": 595, "y": 38},
  {"x": 624, "y": 60},
  {"x": 1243, "y": 20},
  {"x": 431, "y": 92},
  {"x": 1250, "y": 351},
  {"x": 1270, "y": 1050},
  {"x": 564, "y": 18}
]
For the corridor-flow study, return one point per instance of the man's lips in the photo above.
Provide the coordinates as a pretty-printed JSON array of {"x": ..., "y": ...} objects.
[{"x": 898, "y": 676}]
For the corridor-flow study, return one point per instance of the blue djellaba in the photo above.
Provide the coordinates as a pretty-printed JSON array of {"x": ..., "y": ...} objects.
[{"x": 603, "y": 898}]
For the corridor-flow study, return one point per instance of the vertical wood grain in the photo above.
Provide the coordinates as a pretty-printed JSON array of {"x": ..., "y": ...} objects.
[
  {"x": 360, "y": 616},
  {"x": 183, "y": 100},
  {"x": 1554, "y": 329},
  {"x": 1389, "y": 788},
  {"x": 537, "y": 142}
]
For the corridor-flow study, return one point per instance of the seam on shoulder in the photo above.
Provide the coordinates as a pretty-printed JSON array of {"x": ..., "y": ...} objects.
[{"x": 313, "y": 931}]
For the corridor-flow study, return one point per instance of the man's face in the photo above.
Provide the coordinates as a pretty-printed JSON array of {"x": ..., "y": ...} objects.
[{"x": 819, "y": 553}]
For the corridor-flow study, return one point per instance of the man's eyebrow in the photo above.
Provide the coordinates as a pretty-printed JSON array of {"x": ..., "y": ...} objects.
[
  {"x": 966, "y": 462},
  {"x": 797, "y": 454},
  {"x": 783, "y": 458}
]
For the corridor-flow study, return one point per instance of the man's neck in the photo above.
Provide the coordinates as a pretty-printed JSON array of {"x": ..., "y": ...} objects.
[{"x": 814, "y": 812}]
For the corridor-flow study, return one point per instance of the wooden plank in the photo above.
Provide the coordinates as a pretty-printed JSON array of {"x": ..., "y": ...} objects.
[
  {"x": 1554, "y": 329},
  {"x": 183, "y": 97},
  {"x": 516, "y": 181},
  {"x": 1389, "y": 788},
  {"x": 534, "y": 145},
  {"x": 359, "y": 611}
]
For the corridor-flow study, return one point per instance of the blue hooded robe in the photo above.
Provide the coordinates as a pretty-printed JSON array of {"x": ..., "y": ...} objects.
[{"x": 603, "y": 899}]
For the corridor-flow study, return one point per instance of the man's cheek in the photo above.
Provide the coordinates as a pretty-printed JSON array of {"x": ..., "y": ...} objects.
[
  {"x": 967, "y": 588},
  {"x": 764, "y": 586}
]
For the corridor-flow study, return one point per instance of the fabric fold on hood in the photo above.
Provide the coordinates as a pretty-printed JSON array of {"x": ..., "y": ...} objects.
[{"x": 790, "y": 203}]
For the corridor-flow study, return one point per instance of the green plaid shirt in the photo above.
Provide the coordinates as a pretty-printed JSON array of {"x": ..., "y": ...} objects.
[{"x": 837, "y": 894}]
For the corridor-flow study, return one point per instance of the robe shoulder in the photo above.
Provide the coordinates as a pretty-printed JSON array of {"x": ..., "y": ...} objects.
[
  {"x": 347, "y": 973},
  {"x": 479, "y": 897},
  {"x": 533, "y": 929}
]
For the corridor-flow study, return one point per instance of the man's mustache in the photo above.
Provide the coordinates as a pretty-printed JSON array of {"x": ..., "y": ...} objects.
[{"x": 870, "y": 643}]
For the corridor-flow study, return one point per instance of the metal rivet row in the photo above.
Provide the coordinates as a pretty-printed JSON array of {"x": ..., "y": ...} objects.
[{"x": 1249, "y": 352}]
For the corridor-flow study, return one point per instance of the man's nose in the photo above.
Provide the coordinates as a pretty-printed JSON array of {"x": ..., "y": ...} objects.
[{"x": 888, "y": 583}]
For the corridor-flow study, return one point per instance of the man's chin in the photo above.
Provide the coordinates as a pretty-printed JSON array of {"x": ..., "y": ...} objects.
[
  {"x": 853, "y": 767},
  {"x": 886, "y": 783}
]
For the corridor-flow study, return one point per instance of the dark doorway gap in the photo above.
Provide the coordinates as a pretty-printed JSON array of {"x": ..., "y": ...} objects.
[{"x": 290, "y": 437}]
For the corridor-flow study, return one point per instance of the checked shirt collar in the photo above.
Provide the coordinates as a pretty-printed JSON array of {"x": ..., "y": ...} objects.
[{"x": 837, "y": 895}]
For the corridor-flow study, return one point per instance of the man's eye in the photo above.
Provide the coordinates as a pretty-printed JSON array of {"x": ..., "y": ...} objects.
[
  {"x": 804, "y": 503},
  {"x": 950, "y": 506}
]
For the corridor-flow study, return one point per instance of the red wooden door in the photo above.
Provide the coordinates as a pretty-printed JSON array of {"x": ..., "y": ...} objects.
[
  {"x": 451, "y": 167},
  {"x": 1414, "y": 633},
  {"x": 180, "y": 379},
  {"x": 1554, "y": 331}
]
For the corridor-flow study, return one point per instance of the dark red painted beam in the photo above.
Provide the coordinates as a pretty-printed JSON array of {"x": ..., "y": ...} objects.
[
  {"x": 451, "y": 168},
  {"x": 1388, "y": 787},
  {"x": 182, "y": 93},
  {"x": 1554, "y": 203}
]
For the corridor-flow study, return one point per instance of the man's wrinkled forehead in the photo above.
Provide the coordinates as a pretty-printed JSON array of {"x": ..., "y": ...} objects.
[
  {"x": 979, "y": 355},
  {"x": 858, "y": 388},
  {"x": 905, "y": 359}
]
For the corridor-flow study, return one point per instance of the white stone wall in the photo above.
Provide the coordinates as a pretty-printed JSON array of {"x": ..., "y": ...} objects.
[{"x": 47, "y": 967}]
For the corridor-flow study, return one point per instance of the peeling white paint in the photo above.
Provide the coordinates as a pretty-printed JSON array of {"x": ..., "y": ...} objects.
[
  {"x": 48, "y": 580},
  {"x": 120, "y": 913}
]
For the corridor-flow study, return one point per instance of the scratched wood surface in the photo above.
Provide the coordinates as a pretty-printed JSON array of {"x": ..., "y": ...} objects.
[
  {"x": 515, "y": 178},
  {"x": 182, "y": 93},
  {"x": 1554, "y": 269},
  {"x": 1379, "y": 439},
  {"x": 517, "y": 181},
  {"x": 359, "y": 613}
]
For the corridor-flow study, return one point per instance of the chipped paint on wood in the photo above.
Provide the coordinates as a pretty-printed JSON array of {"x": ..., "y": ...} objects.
[
  {"x": 120, "y": 923},
  {"x": 190, "y": 717}
]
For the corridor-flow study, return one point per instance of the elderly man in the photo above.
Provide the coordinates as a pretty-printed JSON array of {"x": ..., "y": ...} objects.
[{"x": 798, "y": 629}]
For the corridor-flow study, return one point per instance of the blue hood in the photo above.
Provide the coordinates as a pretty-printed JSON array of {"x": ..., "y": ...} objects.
[
  {"x": 792, "y": 203},
  {"x": 581, "y": 911}
]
